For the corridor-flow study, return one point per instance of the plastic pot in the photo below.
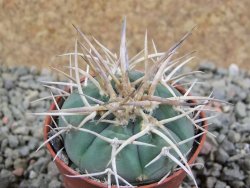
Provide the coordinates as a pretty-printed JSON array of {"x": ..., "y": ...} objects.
[{"x": 173, "y": 181}]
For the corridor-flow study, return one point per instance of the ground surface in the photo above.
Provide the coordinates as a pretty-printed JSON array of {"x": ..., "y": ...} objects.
[
  {"x": 226, "y": 158},
  {"x": 32, "y": 32}
]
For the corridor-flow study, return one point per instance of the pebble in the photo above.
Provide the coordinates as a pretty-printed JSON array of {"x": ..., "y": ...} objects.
[
  {"x": 21, "y": 130},
  {"x": 40, "y": 165},
  {"x": 8, "y": 162},
  {"x": 246, "y": 164},
  {"x": 232, "y": 173},
  {"x": 221, "y": 156},
  {"x": 237, "y": 184},
  {"x": 215, "y": 170},
  {"x": 21, "y": 71},
  {"x": 243, "y": 128},
  {"x": 233, "y": 70},
  {"x": 55, "y": 184},
  {"x": 247, "y": 181},
  {"x": 220, "y": 184},
  {"x": 6, "y": 178},
  {"x": 24, "y": 151},
  {"x": 33, "y": 143},
  {"x": 240, "y": 110},
  {"x": 18, "y": 172},
  {"x": 41, "y": 181},
  {"x": 210, "y": 182},
  {"x": 233, "y": 136},
  {"x": 20, "y": 163},
  {"x": 228, "y": 146},
  {"x": 207, "y": 65},
  {"x": 13, "y": 141},
  {"x": 52, "y": 169},
  {"x": 32, "y": 174}
]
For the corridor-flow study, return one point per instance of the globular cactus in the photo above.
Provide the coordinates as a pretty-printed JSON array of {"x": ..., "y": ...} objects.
[{"x": 124, "y": 126}]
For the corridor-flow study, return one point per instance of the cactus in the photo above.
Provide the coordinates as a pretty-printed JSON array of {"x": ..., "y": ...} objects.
[{"x": 124, "y": 126}]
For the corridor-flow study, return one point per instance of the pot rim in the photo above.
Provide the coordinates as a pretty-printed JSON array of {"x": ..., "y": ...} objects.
[{"x": 195, "y": 151}]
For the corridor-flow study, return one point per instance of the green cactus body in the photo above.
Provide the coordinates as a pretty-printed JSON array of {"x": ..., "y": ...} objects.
[{"x": 91, "y": 154}]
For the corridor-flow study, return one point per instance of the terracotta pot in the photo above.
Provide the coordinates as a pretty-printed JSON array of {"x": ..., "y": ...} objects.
[{"x": 173, "y": 181}]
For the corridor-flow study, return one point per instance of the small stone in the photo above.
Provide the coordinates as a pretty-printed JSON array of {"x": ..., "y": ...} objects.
[
  {"x": 40, "y": 164},
  {"x": 207, "y": 65},
  {"x": 246, "y": 120},
  {"x": 32, "y": 95},
  {"x": 8, "y": 163},
  {"x": 40, "y": 181},
  {"x": 37, "y": 154},
  {"x": 6, "y": 178},
  {"x": 34, "y": 70},
  {"x": 233, "y": 173},
  {"x": 46, "y": 72},
  {"x": 228, "y": 147},
  {"x": 226, "y": 108},
  {"x": 236, "y": 157},
  {"x": 233, "y": 70},
  {"x": 20, "y": 163},
  {"x": 222, "y": 71},
  {"x": 210, "y": 182},
  {"x": 233, "y": 136},
  {"x": 8, "y": 153},
  {"x": 219, "y": 94},
  {"x": 220, "y": 184},
  {"x": 22, "y": 130},
  {"x": 24, "y": 85},
  {"x": 5, "y": 120},
  {"x": 26, "y": 77},
  {"x": 3, "y": 133},
  {"x": 4, "y": 144},
  {"x": 24, "y": 151},
  {"x": 18, "y": 172},
  {"x": 32, "y": 174},
  {"x": 219, "y": 89},
  {"x": 8, "y": 80},
  {"x": 33, "y": 143},
  {"x": 22, "y": 71},
  {"x": 240, "y": 110},
  {"x": 24, "y": 184},
  {"x": 247, "y": 181},
  {"x": 55, "y": 184},
  {"x": 215, "y": 170},
  {"x": 243, "y": 128},
  {"x": 237, "y": 184},
  {"x": 13, "y": 141},
  {"x": 16, "y": 112},
  {"x": 52, "y": 169},
  {"x": 9, "y": 84},
  {"x": 207, "y": 148},
  {"x": 220, "y": 138},
  {"x": 200, "y": 163},
  {"x": 246, "y": 164},
  {"x": 221, "y": 156}
]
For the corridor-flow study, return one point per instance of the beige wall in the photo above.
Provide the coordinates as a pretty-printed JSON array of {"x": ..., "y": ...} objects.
[{"x": 32, "y": 32}]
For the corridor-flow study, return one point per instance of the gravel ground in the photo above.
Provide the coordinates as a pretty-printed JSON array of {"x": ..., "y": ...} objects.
[{"x": 226, "y": 158}]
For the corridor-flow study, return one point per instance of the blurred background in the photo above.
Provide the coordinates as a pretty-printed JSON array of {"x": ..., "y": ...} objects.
[{"x": 33, "y": 32}]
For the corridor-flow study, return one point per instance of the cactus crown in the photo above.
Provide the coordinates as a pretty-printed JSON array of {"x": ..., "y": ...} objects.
[{"x": 123, "y": 126}]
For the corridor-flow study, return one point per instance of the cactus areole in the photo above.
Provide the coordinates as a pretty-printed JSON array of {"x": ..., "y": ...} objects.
[{"x": 126, "y": 127}]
